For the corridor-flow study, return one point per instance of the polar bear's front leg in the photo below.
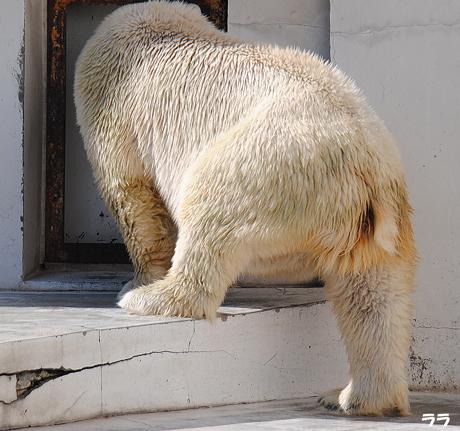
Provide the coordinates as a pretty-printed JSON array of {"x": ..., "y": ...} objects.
[
  {"x": 147, "y": 228},
  {"x": 196, "y": 284}
]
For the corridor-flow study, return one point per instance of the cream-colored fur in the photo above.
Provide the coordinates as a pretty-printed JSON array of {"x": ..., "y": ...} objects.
[{"x": 268, "y": 161}]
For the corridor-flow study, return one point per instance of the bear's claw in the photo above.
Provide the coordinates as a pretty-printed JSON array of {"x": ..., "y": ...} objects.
[{"x": 330, "y": 400}]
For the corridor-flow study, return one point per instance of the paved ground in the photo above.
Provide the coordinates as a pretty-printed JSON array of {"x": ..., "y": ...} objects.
[{"x": 278, "y": 415}]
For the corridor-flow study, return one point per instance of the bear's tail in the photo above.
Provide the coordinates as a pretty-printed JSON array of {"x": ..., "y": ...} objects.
[
  {"x": 379, "y": 233},
  {"x": 384, "y": 233}
]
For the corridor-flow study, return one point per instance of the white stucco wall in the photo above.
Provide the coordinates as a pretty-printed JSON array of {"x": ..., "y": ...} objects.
[
  {"x": 11, "y": 127},
  {"x": 300, "y": 23},
  {"x": 404, "y": 55}
]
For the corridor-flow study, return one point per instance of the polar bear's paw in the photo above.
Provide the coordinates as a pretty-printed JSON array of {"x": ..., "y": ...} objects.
[
  {"x": 343, "y": 401},
  {"x": 350, "y": 403},
  {"x": 167, "y": 299},
  {"x": 146, "y": 276}
]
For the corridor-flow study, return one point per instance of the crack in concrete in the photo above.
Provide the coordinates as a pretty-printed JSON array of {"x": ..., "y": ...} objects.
[
  {"x": 436, "y": 327},
  {"x": 101, "y": 357},
  {"x": 58, "y": 419},
  {"x": 29, "y": 380},
  {"x": 139, "y": 422},
  {"x": 391, "y": 27},
  {"x": 278, "y": 24},
  {"x": 191, "y": 338},
  {"x": 271, "y": 359},
  {"x": 266, "y": 363}
]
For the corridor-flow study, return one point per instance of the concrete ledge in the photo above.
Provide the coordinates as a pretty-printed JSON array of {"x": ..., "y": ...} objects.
[{"x": 72, "y": 356}]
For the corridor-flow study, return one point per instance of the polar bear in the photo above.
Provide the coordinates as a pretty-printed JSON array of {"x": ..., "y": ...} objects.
[{"x": 220, "y": 158}]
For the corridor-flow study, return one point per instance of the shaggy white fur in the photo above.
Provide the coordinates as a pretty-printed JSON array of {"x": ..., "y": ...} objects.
[{"x": 266, "y": 161}]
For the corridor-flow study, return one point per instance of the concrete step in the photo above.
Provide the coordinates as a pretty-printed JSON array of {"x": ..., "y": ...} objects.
[{"x": 68, "y": 356}]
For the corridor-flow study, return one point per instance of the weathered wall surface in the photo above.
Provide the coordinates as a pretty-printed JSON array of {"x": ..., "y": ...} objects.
[
  {"x": 11, "y": 140},
  {"x": 300, "y": 23},
  {"x": 404, "y": 57}
]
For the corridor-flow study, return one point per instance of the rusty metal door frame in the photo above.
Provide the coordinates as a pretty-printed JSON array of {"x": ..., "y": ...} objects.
[{"x": 56, "y": 250}]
